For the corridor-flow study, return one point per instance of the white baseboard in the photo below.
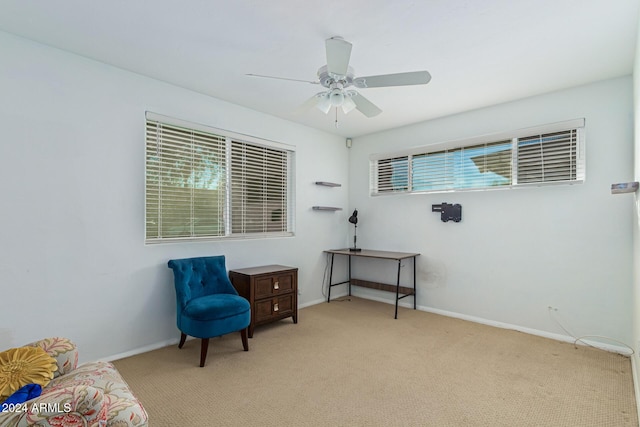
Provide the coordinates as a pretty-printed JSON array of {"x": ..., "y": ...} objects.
[
  {"x": 558, "y": 337},
  {"x": 310, "y": 303},
  {"x": 141, "y": 350},
  {"x": 175, "y": 341}
]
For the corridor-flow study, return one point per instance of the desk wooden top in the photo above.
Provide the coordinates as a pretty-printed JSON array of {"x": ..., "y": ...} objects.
[{"x": 370, "y": 253}]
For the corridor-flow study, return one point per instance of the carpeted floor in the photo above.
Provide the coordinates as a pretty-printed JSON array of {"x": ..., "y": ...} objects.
[{"x": 349, "y": 363}]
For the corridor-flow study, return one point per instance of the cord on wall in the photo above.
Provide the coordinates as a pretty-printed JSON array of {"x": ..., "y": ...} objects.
[{"x": 553, "y": 310}]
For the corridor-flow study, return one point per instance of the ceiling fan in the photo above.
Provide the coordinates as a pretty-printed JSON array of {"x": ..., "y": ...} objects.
[{"x": 337, "y": 77}]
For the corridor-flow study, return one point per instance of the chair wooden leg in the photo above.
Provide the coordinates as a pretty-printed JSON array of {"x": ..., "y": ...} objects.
[
  {"x": 203, "y": 351},
  {"x": 183, "y": 338},
  {"x": 245, "y": 341}
]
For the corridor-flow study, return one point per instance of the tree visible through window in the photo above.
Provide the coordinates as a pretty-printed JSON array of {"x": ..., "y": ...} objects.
[{"x": 204, "y": 185}]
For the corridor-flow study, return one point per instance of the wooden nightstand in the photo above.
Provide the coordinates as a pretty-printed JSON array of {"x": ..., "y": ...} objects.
[{"x": 272, "y": 292}]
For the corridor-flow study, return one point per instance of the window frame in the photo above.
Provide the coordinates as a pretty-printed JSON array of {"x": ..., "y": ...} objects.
[
  {"x": 231, "y": 139},
  {"x": 379, "y": 188}
]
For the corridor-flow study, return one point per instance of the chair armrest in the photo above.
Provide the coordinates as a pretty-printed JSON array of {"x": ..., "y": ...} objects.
[
  {"x": 75, "y": 406},
  {"x": 63, "y": 350}
]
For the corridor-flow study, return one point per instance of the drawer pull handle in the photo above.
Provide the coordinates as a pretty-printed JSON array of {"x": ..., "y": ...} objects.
[
  {"x": 276, "y": 285},
  {"x": 275, "y": 307}
]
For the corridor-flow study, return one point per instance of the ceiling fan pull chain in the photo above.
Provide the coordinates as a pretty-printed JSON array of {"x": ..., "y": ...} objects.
[{"x": 336, "y": 117}]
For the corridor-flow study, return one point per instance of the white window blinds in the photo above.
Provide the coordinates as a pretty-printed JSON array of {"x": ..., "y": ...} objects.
[
  {"x": 475, "y": 166},
  {"x": 548, "y": 157},
  {"x": 258, "y": 189},
  {"x": 392, "y": 174},
  {"x": 546, "y": 154},
  {"x": 186, "y": 181},
  {"x": 201, "y": 184}
]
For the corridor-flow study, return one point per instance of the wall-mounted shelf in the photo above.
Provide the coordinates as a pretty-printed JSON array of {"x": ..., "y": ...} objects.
[
  {"x": 328, "y": 184},
  {"x": 326, "y": 208}
]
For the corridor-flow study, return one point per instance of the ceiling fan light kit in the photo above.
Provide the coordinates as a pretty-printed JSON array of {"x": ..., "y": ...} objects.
[
  {"x": 337, "y": 97},
  {"x": 337, "y": 76}
]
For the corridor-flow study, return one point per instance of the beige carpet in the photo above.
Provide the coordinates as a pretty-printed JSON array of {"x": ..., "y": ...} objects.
[{"x": 350, "y": 363}]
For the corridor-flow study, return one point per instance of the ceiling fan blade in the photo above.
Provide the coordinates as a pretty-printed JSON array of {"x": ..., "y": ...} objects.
[
  {"x": 320, "y": 100},
  {"x": 283, "y": 78},
  {"x": 399, "y": 79},
  {"x": 338, "y": 55},
  {"x": 365, "y": 106},
  {"x": 348, "y": 104}
]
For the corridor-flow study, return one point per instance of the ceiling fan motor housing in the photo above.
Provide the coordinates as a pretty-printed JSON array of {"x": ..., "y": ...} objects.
[{"x": 327, "y": 79}]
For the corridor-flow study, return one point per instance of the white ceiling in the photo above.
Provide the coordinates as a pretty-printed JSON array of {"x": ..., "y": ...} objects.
[{"x": 479, "y": 52}]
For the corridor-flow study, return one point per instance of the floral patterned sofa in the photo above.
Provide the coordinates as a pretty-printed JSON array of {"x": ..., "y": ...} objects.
[{"x": 92, "y": 395}]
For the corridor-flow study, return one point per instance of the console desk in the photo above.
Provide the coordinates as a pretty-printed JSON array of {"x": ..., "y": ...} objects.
[{"x": 400, "y": 291}]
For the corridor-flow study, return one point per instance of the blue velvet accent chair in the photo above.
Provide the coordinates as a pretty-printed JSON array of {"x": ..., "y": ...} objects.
[{"x": 207, "y": 303}]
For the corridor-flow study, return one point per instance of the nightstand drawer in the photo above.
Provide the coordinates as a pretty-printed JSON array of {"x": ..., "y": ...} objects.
[
  {"x": 272, "y": 292},
  {"x": 274, "y": 308},
  {"x": 273, "y": 285}
]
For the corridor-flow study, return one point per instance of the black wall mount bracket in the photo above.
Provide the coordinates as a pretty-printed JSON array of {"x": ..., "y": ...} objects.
[{"x": 448, "y": 212}]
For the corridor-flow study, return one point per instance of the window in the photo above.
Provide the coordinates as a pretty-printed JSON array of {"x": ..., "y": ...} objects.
[
  {"x": 258, "y": 189},
  {"x": 547, "y": 154},
  {"x": 207, "y": 183},
  {"x": 393, "y": 174},
  {"x": 548, "y": 157}
]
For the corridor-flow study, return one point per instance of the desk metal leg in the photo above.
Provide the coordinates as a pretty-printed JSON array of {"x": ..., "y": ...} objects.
[
  {"x": 398, "y": 288},
  {"x": 414, "y": 283},
  {"x": 349, "y": 275},
  {"x": 330, "y": 279}
]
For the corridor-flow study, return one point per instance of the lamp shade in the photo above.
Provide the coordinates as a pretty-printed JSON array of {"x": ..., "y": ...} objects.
[
  {"x": 336, "y": 97},
  {"x": 324, "y": 103},
  {"x": 348, "y": 105},
  {"x": 353, "y": 219}
]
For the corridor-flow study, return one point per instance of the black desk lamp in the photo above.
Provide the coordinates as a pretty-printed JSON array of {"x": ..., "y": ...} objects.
[{"x": 353, "y": 219}]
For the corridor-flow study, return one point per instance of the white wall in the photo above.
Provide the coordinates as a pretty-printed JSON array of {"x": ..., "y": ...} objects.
[
  {"x": 72, "y": 257},
  {"x": 636, "y": 222},
  {"x": 73, "y": 261},
  {"x": 517, "y": 251}
]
